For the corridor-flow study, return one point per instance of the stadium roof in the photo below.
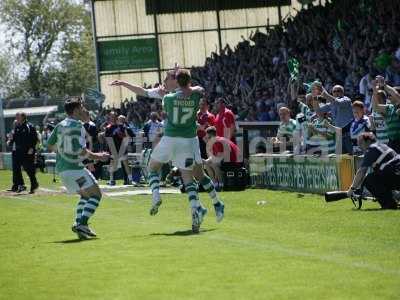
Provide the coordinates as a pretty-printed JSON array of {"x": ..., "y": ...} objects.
[{"x": 30, "y": 111}]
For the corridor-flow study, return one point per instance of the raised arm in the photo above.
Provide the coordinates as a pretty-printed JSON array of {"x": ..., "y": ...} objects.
[
  {"x": 328, "y": 97},
  {"x": 138, "y": 90},
  {"x": 392, "y": 92},
  {"x": 376, "y": 106}
]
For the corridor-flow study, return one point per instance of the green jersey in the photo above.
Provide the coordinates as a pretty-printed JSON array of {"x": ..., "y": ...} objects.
[
  {"x": 324, "y": 137},
  {"x": 287, "y": 129},
  {"x": 392, "y": 120},
  {"x": 69, "y": 136},
  {"x": 181, "y": 114}
]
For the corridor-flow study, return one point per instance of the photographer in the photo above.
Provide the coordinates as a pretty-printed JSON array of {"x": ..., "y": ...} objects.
[{"x": 385, "y": 177}]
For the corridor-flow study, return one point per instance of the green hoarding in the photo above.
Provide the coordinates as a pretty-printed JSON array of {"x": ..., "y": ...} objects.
[
  {"x": 128, "y": 54},
  {"x": 305, "y": 174}
]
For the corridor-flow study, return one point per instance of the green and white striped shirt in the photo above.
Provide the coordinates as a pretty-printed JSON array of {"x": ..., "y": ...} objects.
[
  {"x": 380, "y": 127},
  {"x": 324, "y": 138},
  {"x": 287, "y": 129},
  {"x": 301, "y": 127},
  {"x": 392, "y": 120}
]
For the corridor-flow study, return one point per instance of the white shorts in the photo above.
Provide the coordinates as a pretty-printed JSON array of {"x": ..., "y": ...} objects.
[
  {"x": 183, "y": 152},
  {"x": 77, "y": 180}
]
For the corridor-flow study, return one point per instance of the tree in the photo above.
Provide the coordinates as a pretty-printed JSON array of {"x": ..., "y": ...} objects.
[
  {"x": 10, "y": 83},
  {"x": 76, "y": 69},
  {"x": 41, "y": 31}
]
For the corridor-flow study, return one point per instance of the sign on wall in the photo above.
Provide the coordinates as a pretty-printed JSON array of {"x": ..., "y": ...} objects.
[
  {"x": 133, "y": 54},
  {"x": 305, "y": 175}
]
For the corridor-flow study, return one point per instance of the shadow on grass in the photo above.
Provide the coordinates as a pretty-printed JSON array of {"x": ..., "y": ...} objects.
[
  {"x": 182, "y": 233},
  {"x": 73, "y": 241},
  {"x": 375, "y": 209}
]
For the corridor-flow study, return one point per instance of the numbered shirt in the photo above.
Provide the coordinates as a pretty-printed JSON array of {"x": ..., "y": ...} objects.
[
  {"x": 181, "y": 114},
  {"x": 69, "y": 137}
]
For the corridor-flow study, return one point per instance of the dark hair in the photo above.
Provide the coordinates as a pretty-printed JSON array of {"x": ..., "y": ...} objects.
[
  {"x": 211, "y": 130},
  {"x": 183, "y": 77},
  {"x": 71, "y": 104},
  {"x": 23, "y": 115},
  {"x": 204, "y": 100},
  {"x": 222, "y": 99}
]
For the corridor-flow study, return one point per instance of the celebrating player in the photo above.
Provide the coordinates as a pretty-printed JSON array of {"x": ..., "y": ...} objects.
[
  {"x": 68, "y": 138},
  {"x": 170, "y": 85},
  {"x": 181, "y": 146}
]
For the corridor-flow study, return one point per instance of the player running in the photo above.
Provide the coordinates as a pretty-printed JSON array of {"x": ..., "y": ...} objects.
[
  {"x": 170, "y": 85},
  {"x": 68, "y": 138}
]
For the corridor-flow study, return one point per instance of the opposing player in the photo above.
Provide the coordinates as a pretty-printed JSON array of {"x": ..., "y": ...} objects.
[
  {"x": 170, "y": 85},
  {"x": 68, "y": 138}
]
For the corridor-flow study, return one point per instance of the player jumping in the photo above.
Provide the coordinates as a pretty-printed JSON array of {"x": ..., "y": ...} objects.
[
  {"x": 68, "y": 138},
  {"x": 170, "y": 85}
]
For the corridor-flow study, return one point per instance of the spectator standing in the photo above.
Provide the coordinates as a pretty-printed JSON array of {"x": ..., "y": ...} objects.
[
  {"x": 378, "y": 124},
  {"x": 24, "y": 140},
  {"x": 360, "y": 124},
  {"x": 153, "y": 128},
  {"x": 205, "y": 119},
  {"x": 116, "y": 132},
  {"x": 225, "y": 121},
  {"x": 342, "y": 114},
  {"x": 390, "y": 112},
  {"x": 91, "y": 144},
  {"x": 321, "y": 139},
  {"x": 286, "y": 130},
  {"x": 365, "y": 87}
]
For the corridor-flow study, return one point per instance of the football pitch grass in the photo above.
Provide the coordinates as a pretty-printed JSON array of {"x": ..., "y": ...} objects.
[{"x": 294, "y": 247}]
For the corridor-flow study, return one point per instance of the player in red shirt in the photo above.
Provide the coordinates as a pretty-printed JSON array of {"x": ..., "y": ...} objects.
[
  {"x": 225, "y": 121},
  {"x": 219, "y": 149},
  {"x": 205, "y": 119}
]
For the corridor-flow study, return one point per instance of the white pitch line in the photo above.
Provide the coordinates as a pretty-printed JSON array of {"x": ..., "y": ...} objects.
[
  {"x": 25, "y": 199},
  {"x": 293, "y": 252},
  {"x": 140, "y": 192}
]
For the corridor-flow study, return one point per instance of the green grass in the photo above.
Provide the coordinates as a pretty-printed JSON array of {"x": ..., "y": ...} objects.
[{"x": 292, "y": 247}]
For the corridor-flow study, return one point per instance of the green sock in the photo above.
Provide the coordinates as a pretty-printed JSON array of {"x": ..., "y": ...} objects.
[
  {"x": 209, "y": 187},
  {"x": 154, "y": 182},
  {"x": 89, "y": 209},
  {"x": 191, "y": 190}
]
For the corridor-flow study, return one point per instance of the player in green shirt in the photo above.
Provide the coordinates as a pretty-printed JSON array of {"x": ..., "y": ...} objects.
[
  {"x": 181, "y": 146},
  {"x": 68, "y": 138},
  {"x": 170, "y": 85}
]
